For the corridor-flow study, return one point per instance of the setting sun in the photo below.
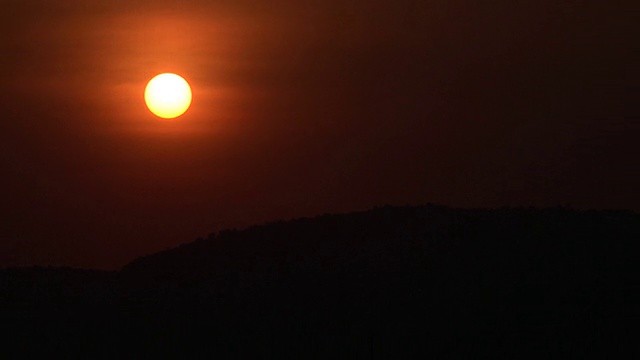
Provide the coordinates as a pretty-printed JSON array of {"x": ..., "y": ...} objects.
[{"x": 168, "y": 95}]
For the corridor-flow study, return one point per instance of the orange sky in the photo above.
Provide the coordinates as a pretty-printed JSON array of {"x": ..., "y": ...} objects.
[{"x": 301, "y": 108}]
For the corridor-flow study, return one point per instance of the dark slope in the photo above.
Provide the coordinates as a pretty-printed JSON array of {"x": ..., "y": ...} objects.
[{"x": 386, "y": 282}]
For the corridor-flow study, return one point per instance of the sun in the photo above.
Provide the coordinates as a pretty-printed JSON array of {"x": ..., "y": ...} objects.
[{"x": 168, "y": 95}]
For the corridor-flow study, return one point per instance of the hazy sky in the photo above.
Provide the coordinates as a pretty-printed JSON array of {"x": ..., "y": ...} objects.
[{"x": 300, "y": 108}]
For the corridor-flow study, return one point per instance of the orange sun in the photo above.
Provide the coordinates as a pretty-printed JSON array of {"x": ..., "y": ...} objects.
[{"x": 168, "y": 95}]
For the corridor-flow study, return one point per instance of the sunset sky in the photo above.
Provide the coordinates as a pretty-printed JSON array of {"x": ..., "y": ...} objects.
[{"x": 303, "y": 107}]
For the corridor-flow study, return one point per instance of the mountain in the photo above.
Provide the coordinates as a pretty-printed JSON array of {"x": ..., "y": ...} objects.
[{"x": 389, "y": 282}]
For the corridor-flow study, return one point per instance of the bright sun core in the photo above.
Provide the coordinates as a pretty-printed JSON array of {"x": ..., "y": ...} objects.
[{"x": 168, "y": 95}]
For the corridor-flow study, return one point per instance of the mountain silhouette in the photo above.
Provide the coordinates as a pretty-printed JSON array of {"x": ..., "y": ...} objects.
[{"x": 388, "y": 282}]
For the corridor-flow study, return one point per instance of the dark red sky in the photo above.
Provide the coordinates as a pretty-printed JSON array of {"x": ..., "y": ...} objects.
[{"x": 300, "y": 108}]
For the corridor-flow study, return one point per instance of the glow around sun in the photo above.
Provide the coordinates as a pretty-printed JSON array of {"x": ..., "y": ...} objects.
[{"x": 168, "y": 95}]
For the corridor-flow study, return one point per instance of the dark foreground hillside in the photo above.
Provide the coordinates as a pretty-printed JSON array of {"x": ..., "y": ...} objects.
[{"x": 387, "y": 283}]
